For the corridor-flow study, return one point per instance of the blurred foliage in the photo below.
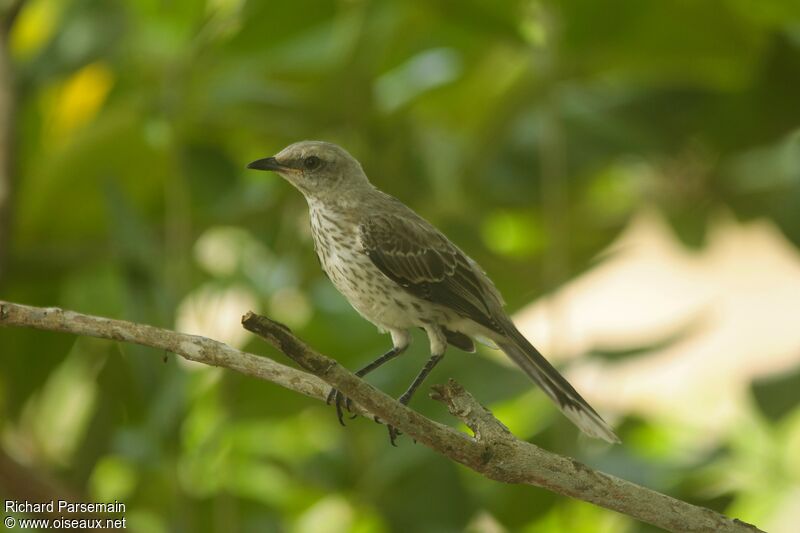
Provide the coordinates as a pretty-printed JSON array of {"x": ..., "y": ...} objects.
[{"x": 529, "y": 131}]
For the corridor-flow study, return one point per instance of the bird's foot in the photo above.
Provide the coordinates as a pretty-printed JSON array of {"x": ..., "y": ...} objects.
[
  {"x": 393, "y": 434},
  {"x": 343, "y": 402},
  {"x": 393, "y": 431},
  {"x": 340, "y": 400}
]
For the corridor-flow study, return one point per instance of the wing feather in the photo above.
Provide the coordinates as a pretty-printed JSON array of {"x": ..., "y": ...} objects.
[
  {"x": 414, "y": 254},
  {"x": 420, "y": 259}
]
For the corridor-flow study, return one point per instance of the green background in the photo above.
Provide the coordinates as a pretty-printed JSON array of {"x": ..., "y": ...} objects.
[{"x": 522, "y": 129}]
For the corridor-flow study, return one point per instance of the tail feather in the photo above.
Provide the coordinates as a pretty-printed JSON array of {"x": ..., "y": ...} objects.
[{"x": 522, "y": 352}]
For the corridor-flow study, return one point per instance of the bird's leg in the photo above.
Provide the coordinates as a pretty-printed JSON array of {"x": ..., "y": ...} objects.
[
  {"x": 338, "y": 397},
  {"x": 432, "y": 362},
  {"x": 406, "y": 397}
]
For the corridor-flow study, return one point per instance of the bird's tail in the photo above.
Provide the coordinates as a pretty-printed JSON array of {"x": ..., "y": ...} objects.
[{"x": 522, "y": 352}]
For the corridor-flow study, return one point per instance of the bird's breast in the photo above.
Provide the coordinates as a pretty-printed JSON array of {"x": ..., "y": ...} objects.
[
  {"x": 338, "y": 249},
  {"x": 352, "y": 272}
]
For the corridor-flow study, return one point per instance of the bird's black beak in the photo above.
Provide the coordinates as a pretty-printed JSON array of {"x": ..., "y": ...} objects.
[{"x": 268, "y": 163}]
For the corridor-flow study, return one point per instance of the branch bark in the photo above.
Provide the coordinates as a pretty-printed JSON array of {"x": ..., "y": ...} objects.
[{"x": 493, "y": 451}]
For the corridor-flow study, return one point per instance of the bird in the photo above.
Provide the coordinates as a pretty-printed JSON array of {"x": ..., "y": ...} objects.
[{"x": 400, "y": 273}]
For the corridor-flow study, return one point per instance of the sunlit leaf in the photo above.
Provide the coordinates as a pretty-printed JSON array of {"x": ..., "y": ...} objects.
[
  {"x": 514, "y": 234},
  {"x": 77, "y": 100},
  {"x": 422, "y": 72},
  {"x": 112, "y": 479},
  {"x": 65, "y": 404},
  {"x": 35, "y": 26}
]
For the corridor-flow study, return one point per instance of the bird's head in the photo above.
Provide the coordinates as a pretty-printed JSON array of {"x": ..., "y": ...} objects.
[{"x": 320, "y": 170}]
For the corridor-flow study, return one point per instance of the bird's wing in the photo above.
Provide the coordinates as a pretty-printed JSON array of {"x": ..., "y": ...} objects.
[{"x": 420, "y": 259}]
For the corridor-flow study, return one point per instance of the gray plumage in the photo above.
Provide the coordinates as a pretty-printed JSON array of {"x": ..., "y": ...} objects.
[{"x": 400, "y": 272}]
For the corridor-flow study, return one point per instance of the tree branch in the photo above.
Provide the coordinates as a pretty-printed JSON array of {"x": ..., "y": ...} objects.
[
  {"x": 190, "y": 347},
  {"x": 493, "y": 451}
]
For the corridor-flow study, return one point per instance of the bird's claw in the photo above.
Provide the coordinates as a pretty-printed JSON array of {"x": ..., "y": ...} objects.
[
  {"x": 339, "y": 400},
  {"x": 348, "y": 404},
  {"x": 330, "y": 397},
  {"x": 393, "y": 434}
]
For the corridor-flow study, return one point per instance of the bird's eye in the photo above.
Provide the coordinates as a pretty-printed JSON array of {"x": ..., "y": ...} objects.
[{"x": 311, "y": 162}]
